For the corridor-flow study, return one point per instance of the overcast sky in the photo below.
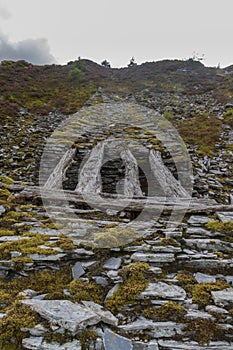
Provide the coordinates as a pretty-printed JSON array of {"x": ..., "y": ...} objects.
[{"x": 47, "y": 31}]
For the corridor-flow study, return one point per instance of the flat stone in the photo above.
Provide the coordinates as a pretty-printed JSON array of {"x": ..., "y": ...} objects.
[
  {"x": 113, "y": 341},
  {"x": 158, "y": 258},
  {"x": 202, "y": 277},
  {"x": 28, "y": 293},
  {"x": 200, "y": 231},
  {"x": 164, "y": 291},
  {"x": 101, "y": 281},
  {"x": 155, "y": 329},
  {"x": 166, "y": 249},
  {"x": 77, "y": 270},
  {"x": 198, "y": 220},
  {"x": 74, "y": 345},
  {"x": 2, "y": 315},
  {"x": 112, "y": 264},
  {"x": 64, "y": 313},
  {"x": 41, "y": 257},
  {"x": 32, "y": 343},
  {"x": 223, "y": 297},
  {"x": 216, "y": 310},
  {"x": 225, "y": 216},
  {"x": 195, "y": 314},
  {"x": 175, "y": 345},
  {"x": 152, "y": 345},
  {"x": 105, "y": 316}
]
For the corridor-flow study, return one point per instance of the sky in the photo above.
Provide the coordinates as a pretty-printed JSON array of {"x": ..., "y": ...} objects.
[{"x": 59, "y": 31}]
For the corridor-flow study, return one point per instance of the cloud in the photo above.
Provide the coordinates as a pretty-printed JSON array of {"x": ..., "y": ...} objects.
[
  {"x": 35, "y": 51},
  {"x": 4, "y": 13}
]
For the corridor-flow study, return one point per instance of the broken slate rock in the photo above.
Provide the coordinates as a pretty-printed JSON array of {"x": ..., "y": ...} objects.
[
  {"x": 105, "y": 316},
  {"x": 150, "y": 257},
  {"x": 112, "y": 264},
  {"x": 223, "y": 297},
  {"x": 64, "y": 313},
  {"x": 164, "y": 291},
  {"x": 77, "y": 270},
  {"x": 113, "y": 341}
]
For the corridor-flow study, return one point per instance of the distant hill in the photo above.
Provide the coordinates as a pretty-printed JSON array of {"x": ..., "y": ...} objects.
[{"x": 43, "y": 89}]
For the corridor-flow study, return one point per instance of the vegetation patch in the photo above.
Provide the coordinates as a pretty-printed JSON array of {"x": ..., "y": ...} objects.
[
  {"x": 134, "y": 283},
  {"x": 202, "y": 131},
  {"x": 90, "y": 291},
  {"x": 170, "y": 311}
]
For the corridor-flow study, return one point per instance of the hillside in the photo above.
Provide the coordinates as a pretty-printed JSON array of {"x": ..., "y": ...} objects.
[{"x": 138, "y": 265}]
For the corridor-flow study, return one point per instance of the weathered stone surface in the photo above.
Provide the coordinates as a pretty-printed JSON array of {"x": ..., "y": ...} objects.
[
  {"x": 33, "y": 343},
  {"x": 155, "y": 329},
  {"x": 112, "y": 264},
  {"x": 174, "y": 345},
  {"x": 225, "y": 216},
  {"x": 216, "y": 310},
  {"x": 201, "y": 277},
  {"x": 198, "y": 220},
  {"x": 150, "y": 257},
  {"x": 77, "y": 270},
  {"x": 113, "y": 341},
  {"x": 64, "y": 313},
  {"x": 40, "y": 257},
  {"x": 105, "y": 316},
  {"x": 164, "y": 291},
  {"x": 223, "y": 297},
  {"x": 195, "y": 314}
]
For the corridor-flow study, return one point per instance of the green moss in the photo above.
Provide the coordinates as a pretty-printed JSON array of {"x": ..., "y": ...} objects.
[
  {"x": 89, "y": 291},
  {"x": 88, "y": 339},
  {"x": 25, "y": 246},
  {"x": 168, "y": 241},
  {"x": 170, "y": 311},
  {"x": 201, "y": 293},
  {"x": 134, "y": 282},
  {"x": 20, "y": 262},
  {"x": 6, "y": 181},
  {"x": 4, "y": 194},
  {"x": 6, "y": 232},
  {"x": 223, "y": 227},
  {"x": 64, "y": 242},
  {"x": 204, "y": 330},
  {"x": 18, "y": 316},
  {"x": 115, "y": 237},
  {"x": 186, "y": 280}
]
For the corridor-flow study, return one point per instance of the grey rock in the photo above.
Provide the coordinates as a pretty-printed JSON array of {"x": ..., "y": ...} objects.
[
  {"x": 101, "y": 281},
  {"x": 74, "y": 345},
  {"x": 2, "y": 315},
  {"x": 28, "y": 293},
  {"x": 158, "y": 258},
  {"x": 223, "y": 297},
  {"x": 202, "y": 278},
  {"x": 38, "y": 330},
  {"x": 164, "y": 291},
  {"x": 2, "y": 210},
  {"x": 105, "y": 316},
  {"x": 195, "y": 314},
  {"x": 166, "y": 249},
  {"x": 77, "y": 270},
  {"x": 38, "y": 257},
  {"x": 113, "y": 341},
  {"x": 64, "y": 313},
  {"x": 112, "y": 264},
  {"x": 197, "y": 220},
  {"x": 225, "y": 216},
  {"x": 216, "y": 310},
  {"x": 112, "y": 291},
  {"x": 175, "y": 345},
  {"x": 152, "y": 345},
  {"x": 33, "y": 343}
]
